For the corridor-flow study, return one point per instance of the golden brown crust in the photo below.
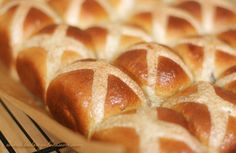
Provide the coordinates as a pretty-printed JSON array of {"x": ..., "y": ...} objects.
[
  {"x": 224, "y": 61},
  {"x": 120, "y": 98},
  {"x": 214, "y": 16},
  {"x": 127, "y": 41},
  {"x": 79, "y": 89},
  {"x": 227, "y": 79},
  {"x": 199, "y": 124},
  {"x": 192, "y": 55},
  {"x": 48, "y": 29},
  {"x": 68, "y": 57},
  {"x": 195, "y": 52},
  {"x": 6, "y": 55},
  {"x": 72, "y": 96},
  {"x": 169, "y": 115},
  {"x": 170, "y": 77},
  {"x": 59, "y": 6},
  {"x": 148, "y": 133},
  {"x": 228, "y": 71},
  {"x": 130, "y": 140},
  {"x": 76, "y": 90},
  {"x": 69, "y": 99},
  {"x": 226, "y": 95},
  {"x": 198, "y": 119},
  {"x": 156, "y": 63},
  {"x": 136, "y": 68},
  {"x": 224, "y": 17},
  {"x": 143, "y": 20},
  {"x": 32, "y": 70},
  {"x": 192, "y": 7},
  {"x": 124, "y": 136},
  {"x": 98, "y": 36},
  {"x": 82, "y": 13},
  {"x": 92, "y": 12},
  {"x": 80, "y": 36},
  {"x": 110, "y": 40},
  {"x": 188, "y": 91},
  {"x": 166, "y": 24},
  {"x": 179, "y": 28},
  {"x": 207, "y": 110},
  {"x": 173, "y": 146},
  {"x": 231, "y": 86},
  {"x": 229, "y": 37},
  {"x": 32, "y": 20},
  {"x": 229, "y": 142},
  {"x": 19, "y": 20},
  {"x": 67, "y": 44}
]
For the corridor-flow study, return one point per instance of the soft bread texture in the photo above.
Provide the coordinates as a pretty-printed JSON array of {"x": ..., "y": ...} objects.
[
  {"x": 52, "y": 48},
  {"x": 157, "y": 69},
  {"x": 18, "y": 21},
  {"x": 210, "y": 112},
  {"x": 111, "y": 39},
  {"x": 144, "y": 132},
  {"x": 86, "y": 92},
  {"x": 214, "y": 15},
  {"x": 206, "y": 56},
  {"x": 166, "y": 24}
]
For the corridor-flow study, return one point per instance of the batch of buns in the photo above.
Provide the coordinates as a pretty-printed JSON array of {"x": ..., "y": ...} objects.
[{"x": 153, "y": 76}]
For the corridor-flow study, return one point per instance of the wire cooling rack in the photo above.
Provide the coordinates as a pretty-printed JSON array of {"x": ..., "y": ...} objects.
[{"x": 21, "y": 134}]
